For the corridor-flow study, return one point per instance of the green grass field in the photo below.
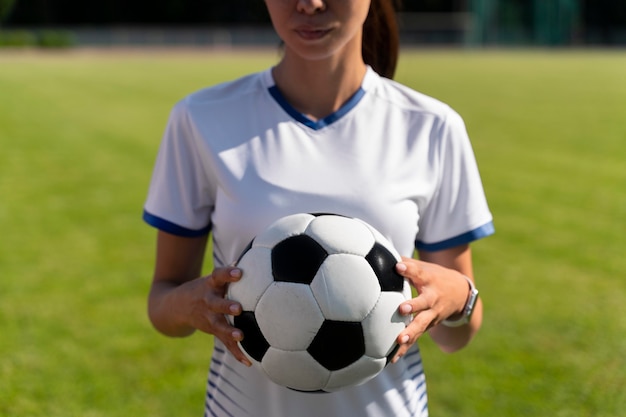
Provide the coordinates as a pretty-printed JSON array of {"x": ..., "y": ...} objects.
[{"x": 78, "y": 136}]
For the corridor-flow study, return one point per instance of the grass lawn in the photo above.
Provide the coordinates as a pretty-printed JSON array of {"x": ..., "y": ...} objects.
[{"x": 78, "y": 136}]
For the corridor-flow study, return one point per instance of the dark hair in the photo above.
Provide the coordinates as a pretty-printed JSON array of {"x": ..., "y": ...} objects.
[{"x": 381, "y": 39}]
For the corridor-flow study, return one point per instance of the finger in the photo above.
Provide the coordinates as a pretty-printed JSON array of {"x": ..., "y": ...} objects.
[
  {"x": 412, "y": 270},
  {"x": 400, "y": 353},
  {"x": 219, "y": 327},
  {"x": 235, "y": 350},
  {"x": 220, "y": 277},
  {"x": 412, "y": 332},
  {"x": 220, "y": 305},
  {"x": 417, "y": 327},
  {"x": 414, "y": 305},
  {"x": 231, "y": 336}
]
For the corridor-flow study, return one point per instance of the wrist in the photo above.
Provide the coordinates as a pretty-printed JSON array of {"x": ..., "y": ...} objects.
[{"x": 465, "y": 315}]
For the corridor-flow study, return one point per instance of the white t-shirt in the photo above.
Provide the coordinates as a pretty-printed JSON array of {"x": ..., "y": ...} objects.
[{"x": 237, "y": 156}]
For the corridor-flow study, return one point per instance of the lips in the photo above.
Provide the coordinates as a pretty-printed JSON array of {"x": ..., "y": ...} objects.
[{"x": 311, "y": 33}]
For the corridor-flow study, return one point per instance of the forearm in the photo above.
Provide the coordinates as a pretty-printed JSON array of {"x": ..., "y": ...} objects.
[
  {"x": 175, "y": 283},
  {"x": 167, "y": 304}
]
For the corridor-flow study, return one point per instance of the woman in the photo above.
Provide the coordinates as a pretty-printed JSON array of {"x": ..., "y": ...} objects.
[{"x": 322, "y": 131}]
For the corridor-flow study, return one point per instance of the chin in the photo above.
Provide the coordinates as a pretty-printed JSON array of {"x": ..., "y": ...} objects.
[{"x": 319, "y": 52}]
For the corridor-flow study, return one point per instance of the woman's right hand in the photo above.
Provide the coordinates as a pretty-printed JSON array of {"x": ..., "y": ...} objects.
[
  {"x": 209, "y": 307},
  {"x": 181, "y": 303}
]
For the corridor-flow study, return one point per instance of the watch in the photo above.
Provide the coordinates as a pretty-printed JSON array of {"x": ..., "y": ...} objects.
[{"x": 468, "y": 309}]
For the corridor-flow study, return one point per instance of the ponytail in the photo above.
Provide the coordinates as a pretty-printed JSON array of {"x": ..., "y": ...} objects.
[{"x": 381, "y": 38}]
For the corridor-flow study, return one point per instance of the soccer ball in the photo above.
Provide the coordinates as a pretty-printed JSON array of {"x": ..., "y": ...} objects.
[{"x": 320, "y": 300}]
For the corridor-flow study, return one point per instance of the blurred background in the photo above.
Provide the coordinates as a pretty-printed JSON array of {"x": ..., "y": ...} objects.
[
  {"x": 245, "y": 22},
  {"x": 85, "y": 93}
]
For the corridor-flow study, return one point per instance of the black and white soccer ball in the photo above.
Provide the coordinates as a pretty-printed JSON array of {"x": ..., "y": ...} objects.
[{"x": 320, "y": 300}]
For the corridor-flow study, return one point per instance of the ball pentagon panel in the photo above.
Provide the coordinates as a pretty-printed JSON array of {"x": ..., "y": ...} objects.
[
  {"x": 383, "y": 263},
  {"x": 337, "y": 344},
  {"x": 297, "y": 259},
  {"x": 254, "y": 345}
]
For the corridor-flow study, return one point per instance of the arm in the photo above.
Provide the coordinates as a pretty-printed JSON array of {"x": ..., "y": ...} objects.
[
  {"x": 181, "y": 301},
  {"x": 443, "y": 292}
]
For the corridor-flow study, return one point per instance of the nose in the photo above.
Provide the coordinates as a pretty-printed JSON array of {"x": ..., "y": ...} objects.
[{"x": 311, "y": 6}]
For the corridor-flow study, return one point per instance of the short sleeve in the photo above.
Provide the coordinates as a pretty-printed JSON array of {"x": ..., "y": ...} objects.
[
  {"x": 180, "y": 195},
  {"x": 457, "y": 213}
]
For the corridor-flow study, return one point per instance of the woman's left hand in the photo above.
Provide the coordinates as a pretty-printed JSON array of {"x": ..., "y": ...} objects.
[{"x": 442, "y": 293}]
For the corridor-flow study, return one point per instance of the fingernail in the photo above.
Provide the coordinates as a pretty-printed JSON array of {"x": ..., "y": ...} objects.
[
  {"x": 400, "y": 267},
  {"x": 405, "y": 309},
  {"x": 237, "y": 335},
  {"x": 234, "y": 308},
  {"x": 246, "y": 362},
  {"x": 404, "y": 339},
  {"x": 235, "y": 273}
]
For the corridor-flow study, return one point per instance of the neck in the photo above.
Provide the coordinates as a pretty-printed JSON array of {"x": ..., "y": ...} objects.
[{"x": 318, "y": 88}]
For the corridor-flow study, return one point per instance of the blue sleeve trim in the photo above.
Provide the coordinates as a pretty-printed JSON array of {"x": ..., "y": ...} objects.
[
  {"x": 173, "y": 228},
  {"x": 478, "y": 233}
]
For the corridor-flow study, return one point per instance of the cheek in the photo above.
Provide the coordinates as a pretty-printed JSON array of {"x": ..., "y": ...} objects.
[
  {"x": 360, "y": 9},
  {"x": 358, "y": 15},
  {"x": 274, "y": 9}
]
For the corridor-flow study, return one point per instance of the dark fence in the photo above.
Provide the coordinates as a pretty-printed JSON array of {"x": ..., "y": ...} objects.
[{"x": 417, "y": 29}]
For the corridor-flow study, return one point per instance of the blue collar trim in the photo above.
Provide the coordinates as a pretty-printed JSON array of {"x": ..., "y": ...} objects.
[{"x": 321, "y": 123}]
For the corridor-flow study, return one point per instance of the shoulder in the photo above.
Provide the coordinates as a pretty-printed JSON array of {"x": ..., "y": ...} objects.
[
  {"x": 224, "y": 95},
  {"x": 401, "y": 98}
]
